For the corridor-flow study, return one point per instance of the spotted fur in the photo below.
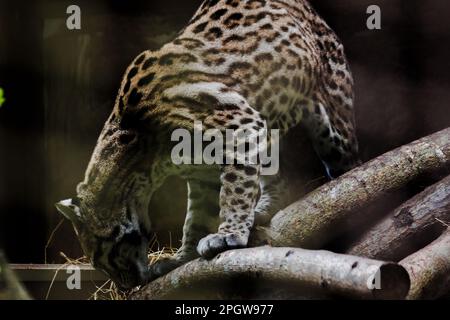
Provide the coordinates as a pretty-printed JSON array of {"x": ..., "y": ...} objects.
[{"x": 256, "y": 64}]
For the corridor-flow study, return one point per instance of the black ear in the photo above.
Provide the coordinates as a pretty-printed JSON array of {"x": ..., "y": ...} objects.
[{"x": 70, "y": 209}]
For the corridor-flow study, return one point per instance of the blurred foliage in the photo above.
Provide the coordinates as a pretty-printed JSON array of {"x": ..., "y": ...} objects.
[
  {"x": 2, "y": 98},
  {"x": 10, "y": 287}
]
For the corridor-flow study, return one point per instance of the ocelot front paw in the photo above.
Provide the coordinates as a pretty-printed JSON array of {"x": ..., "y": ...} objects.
[{"x": 213, "y": 244}]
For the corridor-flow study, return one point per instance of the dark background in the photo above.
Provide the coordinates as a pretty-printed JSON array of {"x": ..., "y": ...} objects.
[{"x": 60, "y": 86}]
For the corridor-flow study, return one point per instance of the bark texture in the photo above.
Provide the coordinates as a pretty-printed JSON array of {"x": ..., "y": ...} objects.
[
  {"x": 409, "y": 227},
  {"x": 321, "y": 273},
  {"x": 429, "y": 269}
]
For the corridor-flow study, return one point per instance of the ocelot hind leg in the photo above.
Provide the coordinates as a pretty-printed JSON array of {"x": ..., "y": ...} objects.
[{"x": 334, "y": 140}]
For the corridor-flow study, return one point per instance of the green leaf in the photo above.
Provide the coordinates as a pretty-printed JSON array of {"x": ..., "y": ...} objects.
[{"x": 2, "y": 98}]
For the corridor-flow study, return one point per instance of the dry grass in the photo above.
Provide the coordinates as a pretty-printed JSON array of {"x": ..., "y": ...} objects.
[
  {"x": 109, "y": 290},
  {"x": 50, "y": 239},
  {"x": 69, "y": 262}
]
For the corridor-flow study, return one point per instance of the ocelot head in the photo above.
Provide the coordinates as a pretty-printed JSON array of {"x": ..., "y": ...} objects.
[
  {"x": 120, "y": 250},
  {"x": 109, "y": 214}
]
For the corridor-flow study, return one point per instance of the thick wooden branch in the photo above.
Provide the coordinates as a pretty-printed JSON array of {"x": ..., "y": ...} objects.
[
  {"x": 429, "y": 269},
  {"x": 410, "y": 227},
  {"x": 312, "y": 221},
  {"x": 314, "y": 271}
]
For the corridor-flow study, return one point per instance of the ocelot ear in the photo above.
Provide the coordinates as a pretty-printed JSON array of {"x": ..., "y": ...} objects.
[{"x": 70, "y": 210}]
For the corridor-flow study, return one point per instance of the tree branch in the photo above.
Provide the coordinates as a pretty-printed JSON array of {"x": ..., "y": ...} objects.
[
  {"x": 311, "y": 221},
  {"x": 410, "y": 227},
  {"x": 429, "y": 269},
  {"x": 320, "y": 272}
]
